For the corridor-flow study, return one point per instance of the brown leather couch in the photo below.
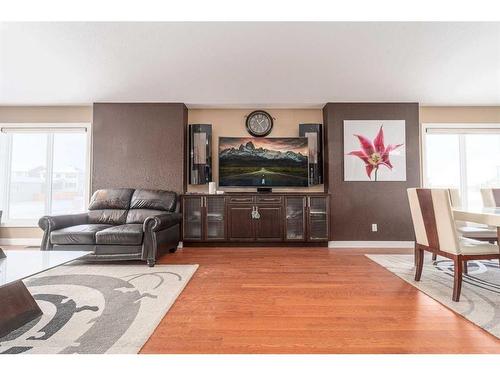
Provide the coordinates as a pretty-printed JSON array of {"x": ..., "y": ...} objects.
[{"x": 121, "y": 224}]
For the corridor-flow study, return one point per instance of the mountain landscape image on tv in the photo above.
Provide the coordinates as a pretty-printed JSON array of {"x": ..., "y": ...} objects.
[{"x": 247, "y": 161}]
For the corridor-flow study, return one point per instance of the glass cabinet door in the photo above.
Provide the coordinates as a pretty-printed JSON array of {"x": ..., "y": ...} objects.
[
  {"x": 193, "y": 219},
  {"x": 295, "y": 227},
  {"x": 318, "y": 218},
  {"x": 200, "y": 154},
  {"x": 215, "y": 218}
]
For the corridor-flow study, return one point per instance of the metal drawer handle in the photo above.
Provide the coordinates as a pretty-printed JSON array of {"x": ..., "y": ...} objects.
[{"x": 255, "y": 213}]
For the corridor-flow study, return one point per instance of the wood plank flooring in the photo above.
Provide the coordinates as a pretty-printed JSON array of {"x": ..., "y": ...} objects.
[{"x": 297, "y": 300}]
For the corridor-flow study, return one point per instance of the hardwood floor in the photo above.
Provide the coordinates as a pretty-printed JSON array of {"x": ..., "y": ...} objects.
[{"x": 315, "y": 300}]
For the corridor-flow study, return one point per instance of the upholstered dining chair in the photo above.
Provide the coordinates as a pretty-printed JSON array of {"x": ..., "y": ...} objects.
[
  {"x": 435, "y": 232},
  {"x": 465, "y": 230},
  {"x": 491, "y": 197},
  {"x": 479, "y": 233}
]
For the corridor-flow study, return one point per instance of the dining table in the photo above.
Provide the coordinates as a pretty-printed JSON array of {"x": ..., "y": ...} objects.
[{"x": 482, "y": 215}]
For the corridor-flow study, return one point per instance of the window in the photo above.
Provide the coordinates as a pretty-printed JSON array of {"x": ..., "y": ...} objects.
[
  {"x": 44, "y": 170},
  {"x": 462, "y": 156}
]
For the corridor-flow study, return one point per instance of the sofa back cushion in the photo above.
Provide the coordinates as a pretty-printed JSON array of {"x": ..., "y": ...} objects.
[
  {"x": 146, "y": 203},
  {"x": 113, "y": 217},
  {"x": 137, "y": 216},
  {"x": 161, "y": 200},
  {"x": 110, "y": 206},
  {"x": 105, "y": 199}
]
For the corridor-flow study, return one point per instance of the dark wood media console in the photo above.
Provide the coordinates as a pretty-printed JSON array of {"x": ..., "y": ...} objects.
[{"x": 242, "y": 219}]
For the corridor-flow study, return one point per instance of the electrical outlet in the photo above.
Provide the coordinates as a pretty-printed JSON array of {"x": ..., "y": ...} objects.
[{"x": 374, "y": 228}]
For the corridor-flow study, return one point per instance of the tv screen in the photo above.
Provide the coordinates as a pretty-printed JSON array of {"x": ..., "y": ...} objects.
[{"x": 263, "y": 161}]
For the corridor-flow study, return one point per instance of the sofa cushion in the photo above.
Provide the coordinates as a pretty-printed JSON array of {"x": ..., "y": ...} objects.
[
  {"x": 128, "y": 234},
  {"x": 111, "y": 199},
  {"x": 84, "y": 234},
  {"x": 139, "y": 215},
  {"x": 160, "y": 200},
  {"x": 113, "y": 217}
]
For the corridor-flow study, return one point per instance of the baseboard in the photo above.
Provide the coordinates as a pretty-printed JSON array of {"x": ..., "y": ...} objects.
[
  {"x": 20, "y": 241},
  {"x": 371, "y": 244}
]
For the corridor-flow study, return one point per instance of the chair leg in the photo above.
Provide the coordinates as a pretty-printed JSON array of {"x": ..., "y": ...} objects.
[
  {"x": 434, "y": 256},
  {"x": 457, "y": 279},
  {"x": 419, "y": 254},
  {"x": 466, "y": 268}
]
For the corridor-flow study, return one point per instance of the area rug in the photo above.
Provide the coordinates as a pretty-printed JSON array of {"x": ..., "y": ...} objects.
[
  {"x": 88, "y": 308},
  {"x": 480, "y": 298}
]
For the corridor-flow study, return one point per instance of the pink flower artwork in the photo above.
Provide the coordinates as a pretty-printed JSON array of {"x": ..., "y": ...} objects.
[{"x": 374, "y": 154}]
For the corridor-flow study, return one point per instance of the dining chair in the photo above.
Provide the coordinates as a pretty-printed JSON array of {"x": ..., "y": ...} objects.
[
  {"x": 468, "y": 231},
  {"x": 479, "y": 233},
  {"x": 435, "y": 232},
  {"x": 491, "y": 197}
]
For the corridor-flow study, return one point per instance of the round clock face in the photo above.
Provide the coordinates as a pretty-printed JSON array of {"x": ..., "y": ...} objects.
[{"x": 259, "y": 123}]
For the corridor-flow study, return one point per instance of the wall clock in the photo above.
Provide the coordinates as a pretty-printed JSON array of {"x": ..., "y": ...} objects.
[{"x": 259, "y": 123}]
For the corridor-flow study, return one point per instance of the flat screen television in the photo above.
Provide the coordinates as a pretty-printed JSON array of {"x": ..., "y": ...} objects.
[{"x": 272, "y": 162}]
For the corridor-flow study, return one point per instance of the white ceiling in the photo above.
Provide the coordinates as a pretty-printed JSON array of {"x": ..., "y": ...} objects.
[{"x": 249, "y": 64}]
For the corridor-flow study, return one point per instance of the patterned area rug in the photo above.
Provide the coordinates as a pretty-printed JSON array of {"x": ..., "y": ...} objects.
[
  {"x": 106, "y": 308},
  {"x": 480, "y": 298}
]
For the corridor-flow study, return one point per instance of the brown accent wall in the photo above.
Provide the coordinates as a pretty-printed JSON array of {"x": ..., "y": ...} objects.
[
  {"x": 355, "y": 206},
  {"x": 139, "y": 145}
]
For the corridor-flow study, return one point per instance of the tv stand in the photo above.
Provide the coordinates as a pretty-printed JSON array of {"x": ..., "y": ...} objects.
[{"x": 253, "y": 219}]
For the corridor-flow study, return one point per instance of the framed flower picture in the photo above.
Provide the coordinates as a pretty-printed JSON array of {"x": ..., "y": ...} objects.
[{"x": 374, "y": 150}]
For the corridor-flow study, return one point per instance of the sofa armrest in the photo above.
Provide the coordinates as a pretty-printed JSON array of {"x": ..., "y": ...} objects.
[
  {"x": 160, "y": 222},
  {"x": 50, "y": 223}
]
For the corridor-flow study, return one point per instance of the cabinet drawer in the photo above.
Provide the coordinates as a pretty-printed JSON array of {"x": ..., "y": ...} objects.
[
  {"x": 241, "y": 199},
  {"x": 270, "y": 199}
]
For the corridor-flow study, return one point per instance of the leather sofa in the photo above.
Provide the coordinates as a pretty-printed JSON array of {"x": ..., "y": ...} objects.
[{"x": 121, "y": 224}]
